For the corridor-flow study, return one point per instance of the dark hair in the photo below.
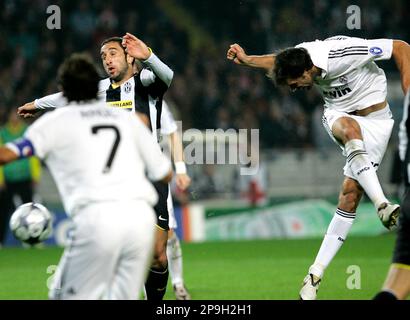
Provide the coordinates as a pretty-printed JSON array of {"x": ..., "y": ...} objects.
[
  {"x": 291, "y": 63},
  {"x": 78, "y": 78},
  {"x": 113, "y": 39}
]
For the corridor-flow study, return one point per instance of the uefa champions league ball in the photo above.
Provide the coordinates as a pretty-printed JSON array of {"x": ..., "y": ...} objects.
[{"x": 31, "y": 223}]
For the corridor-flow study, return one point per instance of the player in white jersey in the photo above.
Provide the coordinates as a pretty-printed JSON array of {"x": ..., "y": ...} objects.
[
  {"x": 137, "y": 83},
  {"x": 356, "y": 116},
  {"x": 98, "y": 158}
]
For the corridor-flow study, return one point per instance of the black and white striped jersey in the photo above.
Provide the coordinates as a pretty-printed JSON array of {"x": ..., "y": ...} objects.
[
  {"x": 404, "y": 134},
  {"x": 141, "y": 93},
  {"x": 350, "y": 78}
]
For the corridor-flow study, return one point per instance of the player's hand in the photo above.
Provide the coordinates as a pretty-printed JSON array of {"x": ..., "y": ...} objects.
[
  {"x": 183, "y": 181},
  {"x": 237, "y": 54},
  {"x": 135, "y": 47},
  {"x": 28, "y": 110}
]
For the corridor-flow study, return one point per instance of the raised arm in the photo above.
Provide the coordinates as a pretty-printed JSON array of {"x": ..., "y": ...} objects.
[
  {"x": 238, "y": 55},
  {"x": 401, "y": 54},
  {"x": 137, "y": 49}
]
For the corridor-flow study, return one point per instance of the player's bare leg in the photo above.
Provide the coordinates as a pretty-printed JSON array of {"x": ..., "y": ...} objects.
[
  {"x": 398, "y": 281},
  {"x": 174, "y": 254},
  {"x": 156, "y": 284},
  {"x": 339, "y": 227},
  {"x": 348, "y": 132}
]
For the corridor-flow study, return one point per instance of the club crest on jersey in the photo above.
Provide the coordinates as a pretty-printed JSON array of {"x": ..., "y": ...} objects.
[
  {"x": 376, "y": 51},
  {"x": 343, "y": 79},
  {"x": 127, "y": 87}
]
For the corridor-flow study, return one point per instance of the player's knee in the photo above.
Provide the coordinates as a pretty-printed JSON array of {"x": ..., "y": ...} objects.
[
  {"x": 346, "y": 129},
  {"x": 350, "y": 133}
]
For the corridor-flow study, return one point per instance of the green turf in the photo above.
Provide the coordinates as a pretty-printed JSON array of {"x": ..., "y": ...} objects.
[{"x": 230, "y": 270}]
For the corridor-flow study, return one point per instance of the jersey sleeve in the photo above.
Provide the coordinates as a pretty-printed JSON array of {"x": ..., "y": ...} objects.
[
  {"x": 156, "y": 76},
  {"x": 51, "y": 101},
  {"x": 168, "y": 124},
  {"x": 352, "y": 53},
  {"x": 57, "y": 100},
  {"x": 157, "y": 164}
]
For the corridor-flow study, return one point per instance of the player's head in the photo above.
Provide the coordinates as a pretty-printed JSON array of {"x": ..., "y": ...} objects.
[
  {"x": 78, "y": 78},
  {"x": 294, "y": 68},
  {"x": 117, "y": 63}
]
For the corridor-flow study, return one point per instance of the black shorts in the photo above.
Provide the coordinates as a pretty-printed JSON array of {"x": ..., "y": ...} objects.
[
  {"x": 401, "y": 253},
  {"x": 161, "y": 208}
]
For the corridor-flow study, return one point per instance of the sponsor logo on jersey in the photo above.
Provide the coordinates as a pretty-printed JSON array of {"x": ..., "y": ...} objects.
[
  {"x": 124, "y": 104},
  {"x": 376, "y": 51},
  {"x": 337, "y": 92},
  {"x": 341, "y": 239}
]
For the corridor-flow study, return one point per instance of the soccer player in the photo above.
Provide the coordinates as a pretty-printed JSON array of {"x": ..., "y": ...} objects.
[
  {"x": 182, "y": 180},
  {"x": 397, "y": 284},
  {"x": 356, "y": 116},
  {"x": 98, "y": 158},
  {"x": 137, "y": 82}
]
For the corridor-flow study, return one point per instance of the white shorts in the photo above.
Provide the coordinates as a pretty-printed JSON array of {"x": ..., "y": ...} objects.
[
  {"x": 109, "y": 253},
  {"x": 172, "y": 222},
  {"x": 376, "y": 131}
]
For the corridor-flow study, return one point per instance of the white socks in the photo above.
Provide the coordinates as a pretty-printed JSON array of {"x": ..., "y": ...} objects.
[
  {"x": 174, "y": 255},
  {"x": 335, "y": 236},
  {"x": 363, "y": 171}
]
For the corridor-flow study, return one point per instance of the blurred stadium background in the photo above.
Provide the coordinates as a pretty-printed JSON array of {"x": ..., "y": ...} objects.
[{"x": 293, "y": 196}]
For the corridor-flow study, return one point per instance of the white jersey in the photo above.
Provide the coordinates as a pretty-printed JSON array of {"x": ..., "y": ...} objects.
[
  {"x": 350, "y": 78},
  {"x": 98, "y": 154}
]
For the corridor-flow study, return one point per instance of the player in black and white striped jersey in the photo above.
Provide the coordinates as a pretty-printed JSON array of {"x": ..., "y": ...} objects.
[
  {"x": 356, "y": 116},
  {"x": 137, "y": 90}
]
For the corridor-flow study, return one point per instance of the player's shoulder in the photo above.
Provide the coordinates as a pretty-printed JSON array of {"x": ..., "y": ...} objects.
[{"x": 104, "y": 84}]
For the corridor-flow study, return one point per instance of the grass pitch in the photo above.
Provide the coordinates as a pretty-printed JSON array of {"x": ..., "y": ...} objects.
[{"x": 246, "y": 270}]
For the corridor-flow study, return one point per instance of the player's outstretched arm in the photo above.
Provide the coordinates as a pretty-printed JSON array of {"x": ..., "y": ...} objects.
[
  {"x": 28, "y": 110},
  {"x": 401, "y": 54},
  {"x": 238, "y": 55},
  {"x": 34, "y": 108}
]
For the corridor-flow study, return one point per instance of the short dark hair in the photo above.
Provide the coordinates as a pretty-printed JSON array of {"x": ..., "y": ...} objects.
[
  {"x": 291, "y": 63},
  {"x": 113, "y": 39},
  {"x": 78, "y": 78}
]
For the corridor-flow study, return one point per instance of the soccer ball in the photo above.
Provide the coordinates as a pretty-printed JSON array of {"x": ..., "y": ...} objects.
[{"x": 31, "y": 223}]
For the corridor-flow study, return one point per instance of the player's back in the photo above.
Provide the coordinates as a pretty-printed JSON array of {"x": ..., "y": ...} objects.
[{"x": 94, "y": 154}]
